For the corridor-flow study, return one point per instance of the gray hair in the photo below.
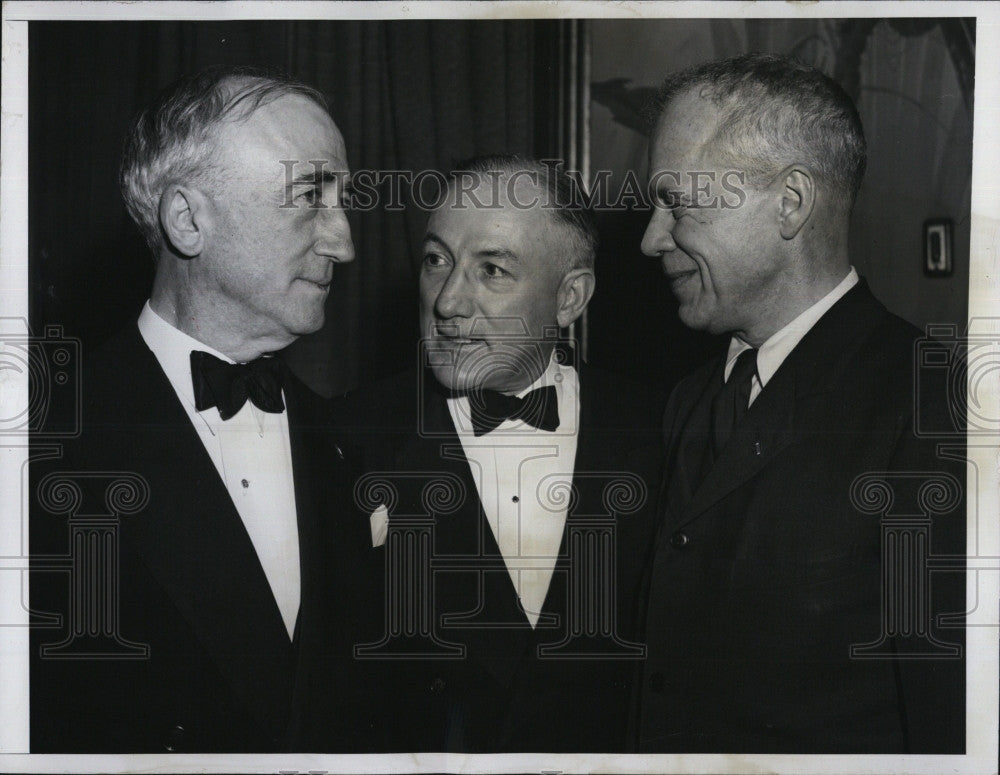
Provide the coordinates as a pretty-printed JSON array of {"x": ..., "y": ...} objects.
[
  {"x": 563, "y": 198},
  {"x": 776, "y": 112},
  {"x": 170, "y": 140}
]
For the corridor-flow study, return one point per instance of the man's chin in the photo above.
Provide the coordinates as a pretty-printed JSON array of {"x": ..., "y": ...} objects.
[
  {"x": 453, "y": 379},
  {"x": 308, "y": 323},
  {"x": 695, "y": 318},
  {"x": 460, "y": 381}
]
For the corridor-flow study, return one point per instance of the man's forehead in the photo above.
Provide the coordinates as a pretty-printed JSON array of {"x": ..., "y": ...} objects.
[
  {"x": 502, "y": 220},
  {"x": 684, "y": 132},
  {"x": 288, "y": 119},
  {"x": 521, "y": 230},
  {"x": 469, "y": 219},
  {"x": 278, "y": 138}
]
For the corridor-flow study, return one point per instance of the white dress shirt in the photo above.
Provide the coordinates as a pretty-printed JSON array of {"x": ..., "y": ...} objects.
[
  {"x": 773, "y": 352},
  {"x": 252, "y": 453},
  {"x": 523, "y": 476}
]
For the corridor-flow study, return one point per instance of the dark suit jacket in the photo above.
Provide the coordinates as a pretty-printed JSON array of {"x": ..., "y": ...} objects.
[
  {"x": 486, "y": 688},
  {"x": 768, "y": 571},
  {"x": 220, "y": 674}
]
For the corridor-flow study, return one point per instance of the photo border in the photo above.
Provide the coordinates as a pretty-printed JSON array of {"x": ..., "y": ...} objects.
[{"x": 983, "y": 577}]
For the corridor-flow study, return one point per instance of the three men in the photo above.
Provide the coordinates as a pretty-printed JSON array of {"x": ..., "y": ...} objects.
[
  {"x": 771, "y": 580},
  {"x": 187, "y": 639},
  {"x": 530, "y": 477},
  {"x": 524, "y": 479}
]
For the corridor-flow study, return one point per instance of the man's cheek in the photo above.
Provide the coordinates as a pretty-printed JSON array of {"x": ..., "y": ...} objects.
[
  {"x": 507, "y": 326},
  {"x": 427, "y": 307}
]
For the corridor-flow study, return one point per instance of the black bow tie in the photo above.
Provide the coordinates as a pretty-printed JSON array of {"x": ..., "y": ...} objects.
[
  {"x": 539, "y": 408},
  {"x": 229, "y": 385}
]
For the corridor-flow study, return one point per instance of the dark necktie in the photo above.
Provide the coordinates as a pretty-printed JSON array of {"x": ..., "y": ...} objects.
[
  {"x": 228, "y": 386},
  {"x": 732, "y": 402},
  {"x": 539, "y": 409}
]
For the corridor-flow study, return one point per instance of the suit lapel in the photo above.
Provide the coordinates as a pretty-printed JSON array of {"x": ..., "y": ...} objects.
[
  {"x": 435, "y": 447},
  {"x": 341, "y": 582},
  {"x": 590, "y": 475},
  {"x": 466, "y": 533},
  {"x": 766, "y": 430},
  {"x": 194, "y": 543},
  {"x": 688, "y": 439},
  {"x": 590, "y": 456},
  {"x": 322, "y": 480},
  {"x": 782, "y": 411}
]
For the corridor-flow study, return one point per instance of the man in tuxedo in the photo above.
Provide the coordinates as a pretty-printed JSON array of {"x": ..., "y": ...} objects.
[
  {"x": 509, "y": 485},
  {"x": 177, "y": 629},
  {"x": 790, "y": 604}
]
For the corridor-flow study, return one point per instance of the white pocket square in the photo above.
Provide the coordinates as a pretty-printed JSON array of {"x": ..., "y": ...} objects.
[{"x": 380, "y": 525}]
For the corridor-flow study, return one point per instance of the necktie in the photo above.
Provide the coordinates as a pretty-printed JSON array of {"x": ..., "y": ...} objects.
[
  {"x": 539, "y": 409},
  {"x": 229, "y": 385},
  {"x": 732, "y": 402}
]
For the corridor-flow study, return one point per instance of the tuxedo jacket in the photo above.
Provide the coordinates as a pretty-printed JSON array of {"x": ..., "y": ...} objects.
[
  {"x": 793, "y": 549},
  {"x": 482, "y": 681},
  {"x": 189, "y": 651}
]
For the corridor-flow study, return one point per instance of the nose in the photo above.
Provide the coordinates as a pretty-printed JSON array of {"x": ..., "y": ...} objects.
[
  {"x": 659, "y": 236},
  {"x": 454, "y": 299},
  {"x": 333, "y": 235}
]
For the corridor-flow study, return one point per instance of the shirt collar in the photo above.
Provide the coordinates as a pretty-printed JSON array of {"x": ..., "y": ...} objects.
[
  {"x": 773, "y": 352},
  {"x": 172, "y": 348},
  {"x": 554, "y": 374}
]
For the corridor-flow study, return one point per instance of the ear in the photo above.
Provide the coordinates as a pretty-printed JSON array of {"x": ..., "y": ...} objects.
[
  {"x": 798, "y": 198},
  {"x": 574, "y": 294},
  {"x": 184, "y": 214}
]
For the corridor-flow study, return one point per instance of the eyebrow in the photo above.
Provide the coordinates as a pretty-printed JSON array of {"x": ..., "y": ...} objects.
[
  {"x": 503, "y": 253},
  {"x": 432, "y": 237},
  {"x": 499, "y": 253},
  {"x": 326, "y": 176}
]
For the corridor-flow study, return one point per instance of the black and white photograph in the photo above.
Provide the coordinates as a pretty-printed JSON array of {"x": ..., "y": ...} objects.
[{"x": 500, "y": 387}]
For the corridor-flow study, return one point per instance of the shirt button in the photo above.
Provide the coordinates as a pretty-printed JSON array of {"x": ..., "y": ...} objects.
[
  {"x": 515, "y": 499},
  {"x": 437, "y": 685},
  {"x": 245, "y": 483},
  {"x": 679, "y": 540}
]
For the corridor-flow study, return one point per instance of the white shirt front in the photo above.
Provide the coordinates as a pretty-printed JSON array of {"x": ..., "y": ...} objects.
[
  {"x": 780, "y": 344},
  {"x": 253, "y": 455},
  {"x": 523, "y": 476}
]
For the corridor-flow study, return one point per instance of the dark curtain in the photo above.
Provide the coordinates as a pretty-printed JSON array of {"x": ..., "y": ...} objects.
[{"x": 407, "y": 95}]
